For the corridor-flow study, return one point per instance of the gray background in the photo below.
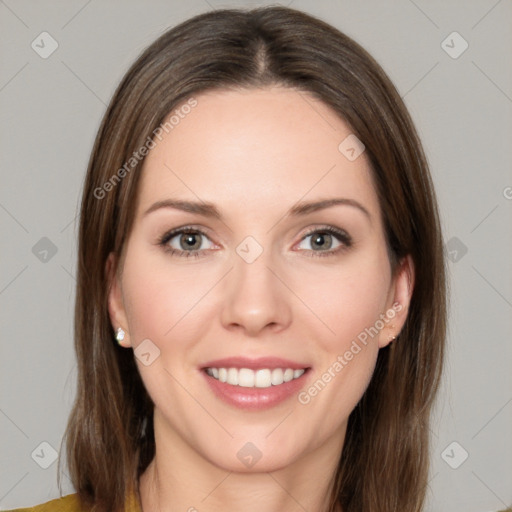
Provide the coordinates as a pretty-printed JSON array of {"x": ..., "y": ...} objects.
[{"x": 51, "y": 109}]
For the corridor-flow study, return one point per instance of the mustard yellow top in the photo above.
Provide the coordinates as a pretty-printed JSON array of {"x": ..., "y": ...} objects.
[{"x": 71, "y": 503}]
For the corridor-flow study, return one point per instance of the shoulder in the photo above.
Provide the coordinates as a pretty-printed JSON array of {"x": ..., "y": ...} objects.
[{"x": 69, "y": 503}]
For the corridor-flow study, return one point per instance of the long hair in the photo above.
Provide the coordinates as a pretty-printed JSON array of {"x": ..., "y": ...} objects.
[{"x": 109, "y": 437}]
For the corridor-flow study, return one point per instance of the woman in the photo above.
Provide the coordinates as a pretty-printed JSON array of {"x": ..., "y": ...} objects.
[{"x": 260, "y": 313}]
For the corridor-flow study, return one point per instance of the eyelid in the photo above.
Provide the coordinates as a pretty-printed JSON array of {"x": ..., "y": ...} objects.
[
  {"x": 341, "y": 235},
  {"x": 184, "y": 229},
  {"x": 163, "y": 240}
]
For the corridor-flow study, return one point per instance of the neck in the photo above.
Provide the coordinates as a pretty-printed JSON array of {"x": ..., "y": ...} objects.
[{"x": 179, "y": 478}]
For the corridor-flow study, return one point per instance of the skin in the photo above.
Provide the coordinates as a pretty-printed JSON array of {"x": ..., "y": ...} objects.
[{"x": 254, "y": 154}]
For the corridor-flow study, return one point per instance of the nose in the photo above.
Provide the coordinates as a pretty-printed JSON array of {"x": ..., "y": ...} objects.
[{"x": 255, "y": 299}]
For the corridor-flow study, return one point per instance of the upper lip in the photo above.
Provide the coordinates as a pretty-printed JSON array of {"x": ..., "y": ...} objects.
[{"x": 254, "y": 364}]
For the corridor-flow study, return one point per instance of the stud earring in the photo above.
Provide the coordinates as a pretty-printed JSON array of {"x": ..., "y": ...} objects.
[
  {"x": 120, "y": 335},
  {"x": 391, "y": 336}
]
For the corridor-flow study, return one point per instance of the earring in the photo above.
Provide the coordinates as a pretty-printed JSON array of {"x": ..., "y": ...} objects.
[
  {"x": 391, "y": 336},
  {"x": 120, "y": 335}
]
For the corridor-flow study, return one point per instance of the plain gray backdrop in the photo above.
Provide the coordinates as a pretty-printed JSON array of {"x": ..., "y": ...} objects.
[{"x": 51, "y": 106}]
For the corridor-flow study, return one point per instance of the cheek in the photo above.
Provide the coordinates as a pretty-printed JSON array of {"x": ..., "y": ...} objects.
[
  {"x": 145, "y": 302},
  {"x": 349, "y": 302},
  {"x": 347, "y": 297},
  {"x": 150, "y": 295},
  {"x": 160, "y": 295}
]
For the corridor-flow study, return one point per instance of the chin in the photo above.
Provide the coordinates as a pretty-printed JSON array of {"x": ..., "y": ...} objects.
[{"x": 254, "y": 454}]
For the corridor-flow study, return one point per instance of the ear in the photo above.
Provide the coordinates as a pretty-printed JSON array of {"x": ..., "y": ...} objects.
[
  {"x": 116, "y": 308},
  {"x": 398, "y": 302}
]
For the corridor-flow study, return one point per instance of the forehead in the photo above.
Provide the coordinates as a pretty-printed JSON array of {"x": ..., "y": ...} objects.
[{"x": 256, "y": 148}]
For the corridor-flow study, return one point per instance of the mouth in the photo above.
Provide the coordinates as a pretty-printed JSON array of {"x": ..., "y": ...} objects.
[
  {"x": 248, "y": 378},
  {"x": 255, "y": 384}
]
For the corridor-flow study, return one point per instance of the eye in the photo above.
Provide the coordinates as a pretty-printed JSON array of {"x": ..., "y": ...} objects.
[
  {"x": 186, "y": 242},
  {"x": 327, "y": 240}
]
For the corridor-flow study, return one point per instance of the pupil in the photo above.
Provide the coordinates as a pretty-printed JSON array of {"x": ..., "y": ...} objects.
[
  {"x": 319, "y": 241},
  {"x": 189, "y": 241}
]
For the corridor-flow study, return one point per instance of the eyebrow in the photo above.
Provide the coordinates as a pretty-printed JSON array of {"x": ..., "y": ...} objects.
[{"x": 299, "y": 209}]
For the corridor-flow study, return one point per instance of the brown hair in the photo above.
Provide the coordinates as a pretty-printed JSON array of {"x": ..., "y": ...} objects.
[{"x": 109, "y": 438}]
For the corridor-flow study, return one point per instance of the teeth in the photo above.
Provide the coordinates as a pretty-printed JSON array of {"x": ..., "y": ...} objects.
[
  {"x": 248, "y": 378},
  {"x": 288, "y": 375},
  {"x": 277, "y": 376},
  {"x": 233, "y": 377}
]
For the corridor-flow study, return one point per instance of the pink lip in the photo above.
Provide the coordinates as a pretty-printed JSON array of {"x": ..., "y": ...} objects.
[
  {"x": 255, "y": 398},
  {"x": 254, "y": 364}
]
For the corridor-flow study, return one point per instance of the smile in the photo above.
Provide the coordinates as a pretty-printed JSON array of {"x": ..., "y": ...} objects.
[{"x": 261, "y": 378}]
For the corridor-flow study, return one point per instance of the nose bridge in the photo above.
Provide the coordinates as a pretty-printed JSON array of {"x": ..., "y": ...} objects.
[
  {"x": 255, "y": 297},
  {"x": 253, "y": 272}
]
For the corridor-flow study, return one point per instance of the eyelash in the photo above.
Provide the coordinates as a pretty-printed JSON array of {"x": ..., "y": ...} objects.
[{"x": 342, "y": 236}]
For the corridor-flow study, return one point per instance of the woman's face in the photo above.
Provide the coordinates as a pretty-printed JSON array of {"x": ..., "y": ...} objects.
[{"x": 283, "y": 265}]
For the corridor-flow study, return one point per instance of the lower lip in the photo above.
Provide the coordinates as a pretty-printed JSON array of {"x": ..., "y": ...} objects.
[{"x": 255, "y": 398}]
